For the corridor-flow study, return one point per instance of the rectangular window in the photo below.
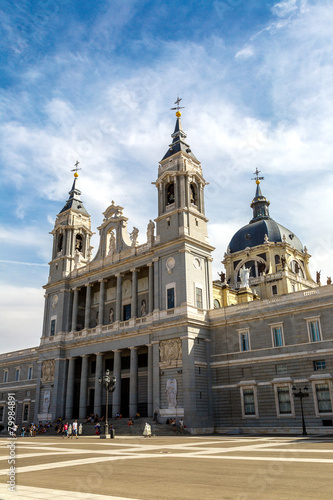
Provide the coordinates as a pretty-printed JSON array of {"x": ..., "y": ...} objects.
[
  {"x": 2, "y": 413},
  {"x": 323, "y": 398},
  {"x": 249, "y": 404},
  {"x": 29, "y": 372},
  {"x": 93, "y": 368},
  {"x": 244, "y": 341},
  {"x": 277, "y": 336},
  {"x": 274, "y": 290},
  {"x": 127, "y": 312},
  {"x": 198, "y": 297},
  {"x": 52, "y": 327},
  {"x": 25, "y": 413},
  {"x": 319, "y": 365},
  {"x": 283, "y": 394},
  {"x": 170, "y": 298},
  {"x": 17, "y": 374},
  {"x": 314, "y": 330},
  {"x": 5, "y": 376},
  {"x": 281, "y": 369}
]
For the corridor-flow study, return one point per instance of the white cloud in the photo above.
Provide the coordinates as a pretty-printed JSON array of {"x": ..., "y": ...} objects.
[
  {"x": 21, "y": 317},
  {"x": 282, "y": 9},
  {"x": 245, "y": 53}
]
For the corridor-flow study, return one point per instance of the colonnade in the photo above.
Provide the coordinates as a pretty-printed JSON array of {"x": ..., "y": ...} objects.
[
  {"x": 152, "y": 299},
  {"x": 152, "y": 382}
]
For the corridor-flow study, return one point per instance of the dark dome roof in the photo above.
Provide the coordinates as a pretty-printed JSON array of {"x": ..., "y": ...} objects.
[{"x": 253, "y": 234}]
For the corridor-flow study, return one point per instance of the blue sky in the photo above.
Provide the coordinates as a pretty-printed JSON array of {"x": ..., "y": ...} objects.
[{"x": 94, "y": 81}]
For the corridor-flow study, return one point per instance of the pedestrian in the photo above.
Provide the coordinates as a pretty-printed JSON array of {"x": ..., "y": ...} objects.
[
  {"x": 155, "y": 417},
  {"x": 181, "y": 425},
  {"x": 80, "y": 429},
  {"x": 65, "y": 430},
  {"x": 74, "y": 427},
  {"x": 70, "y": 430}
]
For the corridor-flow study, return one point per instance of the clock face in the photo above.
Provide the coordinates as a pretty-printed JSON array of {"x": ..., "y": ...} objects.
[
  {"x": 217, "y": 304},
  {"x": 196, "y": 263},
  {"x": 55, "y": 301}
]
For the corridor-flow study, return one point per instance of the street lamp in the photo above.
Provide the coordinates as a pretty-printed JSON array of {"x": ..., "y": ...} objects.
[
  {"x": 109, "y": 384},
  {"x": 298, "y": 393}
]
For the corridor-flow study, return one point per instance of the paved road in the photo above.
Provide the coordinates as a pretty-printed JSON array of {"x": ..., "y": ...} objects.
[{"x": 164, "y": 468}]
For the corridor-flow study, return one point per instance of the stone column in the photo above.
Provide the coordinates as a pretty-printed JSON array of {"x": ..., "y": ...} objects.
[
  {"x": 118, "y": 297},
  {"x": 88, "y": 306},
  {"x": 98, "y": 387},
  {"x": 38, "y": 384},
  {"x": 133, "y": 397},
  {"x": 175, "y": 182},
  {"x": 189, "y": 384},
  {"x": 75, "y": 308},
  {"x": 202, "y": 201},
  {"x": 151, "y": 288},
  {"x": 134, "y": 305},
  {"x": 156, "y": 376},
  {"x": 150, "y": 408},
  {"x": 182, "y": 191},
  {"x": 156, "y": 285},
  {"x": 84, "y": 387},
  {"x": 116, "y": 399},
  {"x": 70, "y": 388},
  {"x": 46, "y": 327},
  {"x": 101, "y": 302}
]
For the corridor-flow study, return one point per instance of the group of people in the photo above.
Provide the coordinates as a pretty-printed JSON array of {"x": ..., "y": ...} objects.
[
  {"x": 68, "y": 430},
  {"x": 33, "y": 429},
  {"x": 172, "y": 421}
]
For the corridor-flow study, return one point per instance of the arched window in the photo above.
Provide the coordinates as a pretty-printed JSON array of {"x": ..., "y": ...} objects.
[
  {"x": 193, "y": 193},
  {"x": 78, "y": 242},
  {"x": 170, "y": 193},
  {"x": 60, "y": 242}
]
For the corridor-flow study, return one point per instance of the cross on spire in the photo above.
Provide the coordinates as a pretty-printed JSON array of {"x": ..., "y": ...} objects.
[
  {"x": 177, "y": 102},
  {"x": 257, "y": 178},
  {"x": 76, "y": 165}
]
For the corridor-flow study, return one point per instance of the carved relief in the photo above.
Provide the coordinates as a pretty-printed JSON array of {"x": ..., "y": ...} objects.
[
  {"x": 170, "y": 350},
  {"x": 48, "y": 367}
]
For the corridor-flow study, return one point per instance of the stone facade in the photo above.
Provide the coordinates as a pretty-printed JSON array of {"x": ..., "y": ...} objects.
[{"x": 223, "y": 355}]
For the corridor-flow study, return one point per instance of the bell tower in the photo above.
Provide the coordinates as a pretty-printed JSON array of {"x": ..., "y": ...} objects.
[
  {"x": 71, "y": 235},
  {"x": 180, "y": 184}
]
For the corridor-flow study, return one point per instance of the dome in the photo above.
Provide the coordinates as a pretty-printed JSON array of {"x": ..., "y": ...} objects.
[{"x": 253, "y": 234}]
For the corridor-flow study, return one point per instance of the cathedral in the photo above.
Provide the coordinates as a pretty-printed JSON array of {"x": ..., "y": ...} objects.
[{"x": 227, "y": 355}]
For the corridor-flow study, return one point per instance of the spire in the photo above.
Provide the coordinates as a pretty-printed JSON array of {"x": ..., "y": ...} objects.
[
  {"x": 178, "y": 136},
  {"x": 74, "y": 201},
  {"x": 259, "y": 203}
]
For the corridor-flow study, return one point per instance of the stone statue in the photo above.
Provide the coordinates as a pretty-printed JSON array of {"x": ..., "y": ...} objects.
[
  {"x": 150, "y": 231},
  {"x": 244, "y": 274},
  {"x": 171, "y": 392},
  {"x": 46, "y": 402},
  {"x": 284, "y": 239},
  {"x": 112, "y": 245},
  {"x": 222, "y": 276},
  {"x": 90, "y": 252},
  {"x": 143, "y": 308},
  {"x": 134, "y": 236},
  {"x": 329, "y": 280},
  {"x": 111, "y": 316},
  {"x": 318, "y": 277},
  {"x": 77, "y": 257},
  {"x": 266, "y": 239},
  {"x": 283, "y": 261}
]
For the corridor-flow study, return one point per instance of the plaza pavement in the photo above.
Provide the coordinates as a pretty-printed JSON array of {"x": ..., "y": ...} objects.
[{"x": 175, "y": 467}]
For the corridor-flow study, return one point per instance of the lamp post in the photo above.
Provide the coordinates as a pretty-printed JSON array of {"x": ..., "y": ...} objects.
[
  {"x": 109, "y": 384},
  {"x": 298, "y": 393}
]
